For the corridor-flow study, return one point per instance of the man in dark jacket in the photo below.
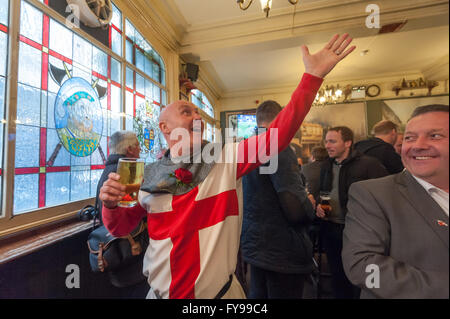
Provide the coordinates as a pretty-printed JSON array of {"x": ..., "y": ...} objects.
[
  {"x": 311, "y": 171},
  {"x": 277, "y": 211},
  {"x": 381, "y": 146},
  {"x": 343, "y": 168},
  {"x": 121, "y": 144}
]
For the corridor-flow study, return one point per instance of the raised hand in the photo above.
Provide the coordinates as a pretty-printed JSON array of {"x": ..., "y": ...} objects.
[
  {"x": 112, "y": 191},
  {"x": 322, "y": 62}
]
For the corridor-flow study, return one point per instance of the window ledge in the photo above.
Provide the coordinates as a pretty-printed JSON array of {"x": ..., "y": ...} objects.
[{"x": 20, "y": 245}]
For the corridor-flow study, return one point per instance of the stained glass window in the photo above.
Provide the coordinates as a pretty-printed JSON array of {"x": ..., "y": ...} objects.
[
  {"x": 70, "y": 99},
  {"x": 3, "y": 67},
  {"x": 199, "y": 99},
  {"x": 145, "y": 77},
  {"x": 69, "y": 102}
]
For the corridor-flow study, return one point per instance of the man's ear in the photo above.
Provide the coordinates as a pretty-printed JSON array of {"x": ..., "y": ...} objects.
[
  {"x": 348, "y": 144},
  {"x": 164, "y": 128}
]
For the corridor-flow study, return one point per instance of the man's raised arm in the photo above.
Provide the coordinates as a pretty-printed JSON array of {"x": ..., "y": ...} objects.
[{"x": 288, "y": 121}]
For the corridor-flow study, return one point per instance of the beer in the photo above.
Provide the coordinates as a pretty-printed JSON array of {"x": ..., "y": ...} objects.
[
  {"x": 131, "y": 171},
  {"x": 325, "y": 202}
]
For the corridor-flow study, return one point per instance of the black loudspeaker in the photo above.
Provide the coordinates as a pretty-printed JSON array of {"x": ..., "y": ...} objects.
[{"x": 192, "y": 71}]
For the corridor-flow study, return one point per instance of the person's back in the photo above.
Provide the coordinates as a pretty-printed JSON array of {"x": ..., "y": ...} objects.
[
  {"x": 381, "y": 146},
  {"x": 311, "y": 171},
  {"x": 274, "y": 238},
  {"x": 268, "y": 239}
]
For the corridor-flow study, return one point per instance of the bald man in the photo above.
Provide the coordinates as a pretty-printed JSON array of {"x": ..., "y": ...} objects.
[{"x": 194, "y": 205}]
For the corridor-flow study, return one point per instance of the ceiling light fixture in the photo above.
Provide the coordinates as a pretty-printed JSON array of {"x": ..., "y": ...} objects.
[{"x": 266, "y": 5}]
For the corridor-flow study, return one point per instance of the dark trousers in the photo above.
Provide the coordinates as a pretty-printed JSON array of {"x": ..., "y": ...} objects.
[
  {"x": 266, "y": 284},
  {"x": 332, "y": 244}
]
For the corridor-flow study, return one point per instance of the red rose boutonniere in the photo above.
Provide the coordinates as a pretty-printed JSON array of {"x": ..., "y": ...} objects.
[{"x": 183, "y": 176}]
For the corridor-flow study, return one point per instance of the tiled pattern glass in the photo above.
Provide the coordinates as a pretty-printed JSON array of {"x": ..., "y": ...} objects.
[
  {"x": 50, "y": 54},
  {"x": 4, "y": 7}
]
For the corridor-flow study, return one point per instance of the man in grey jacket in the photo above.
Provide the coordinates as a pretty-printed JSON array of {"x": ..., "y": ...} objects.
[{"x": 396, "y": 230}]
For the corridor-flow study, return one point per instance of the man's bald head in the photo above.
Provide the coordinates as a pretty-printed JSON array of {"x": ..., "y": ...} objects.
[
  {"x": 171, "y": 109},
  {"x": 180, "y": 115}
]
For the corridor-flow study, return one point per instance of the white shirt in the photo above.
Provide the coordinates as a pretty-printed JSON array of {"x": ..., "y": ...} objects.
[{"x": 440, "y": 196}]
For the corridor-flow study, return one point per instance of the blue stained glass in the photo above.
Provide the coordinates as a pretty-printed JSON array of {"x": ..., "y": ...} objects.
[
  {"x": 156, "y": 73},
  {"x": 129, "y": 30},
  {"x": 43, "y": 108},
  {"x": 129, "y": 123},
  {"x": 140, "y": 103},
  {"x": 95, "y": 176},
  {"x": 148, "y": 69},
  {"x": 3, "y": 52},
  {"x": 28, "y": 105},
  {"x": 2, "y": 101},
  {"x": 61, "y": 39},
  {"x": 82, "y": 51},
  {"x": 78, "y": 182},
  {"x": 105, "y": 122},
  {"x": 129, "y": 78},
  {"x": 27, "y": 146},
  {"x": 4, "y": 12},
  {"x": 163, "y": 77},
  {"x": 96, "y": 156},
  {"x": 164, "y": 97},
  {"x": 115, "y": 120},
  {"x": 52, "y": 85},
  {"x": 129, "y": 108},
  {"x": 140, "y": 61},
  {"x": 100, "y": 62},
  {"x": 116, "y": 70},
  {"x": 116, "y": 44},
  {"x": 31, "y": 22},
  {"x": 63, "y": 156},
  {"x": 156, "y": 94},
  {"x": 50, "y": 110},
  {"x": 30, "y": 65},
  {"x": 129, "y": 51},
  {"x": 140, "y": 84},
  {"x": 80, "y": 73},
  {"x": 149, "y": 90},
  {"x": 116, "y": 99},
  {"x": 57, "y": 188},
  {"x": 77, "y": 160},
  {"x": 26, "y": 192},
  {"x": 117, "y": 17},
  {"x": 139, "y": 39}
]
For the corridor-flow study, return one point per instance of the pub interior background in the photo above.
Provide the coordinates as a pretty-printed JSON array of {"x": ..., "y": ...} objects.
[{"x": 141, "y": 55}]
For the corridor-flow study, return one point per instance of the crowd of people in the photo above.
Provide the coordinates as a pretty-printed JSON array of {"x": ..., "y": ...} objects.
[{"x": 384, "y": 226}]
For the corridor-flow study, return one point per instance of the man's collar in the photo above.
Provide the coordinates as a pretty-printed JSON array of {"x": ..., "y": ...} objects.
[{"x": 426, "y": 185}]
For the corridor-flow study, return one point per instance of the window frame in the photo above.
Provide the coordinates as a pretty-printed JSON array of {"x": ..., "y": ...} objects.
[
  {"x": 9, "y": 223},
  {"x": 206, "y": 117}
]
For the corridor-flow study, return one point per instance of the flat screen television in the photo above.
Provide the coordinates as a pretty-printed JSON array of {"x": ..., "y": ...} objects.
[{"x": 246, "y": 125}]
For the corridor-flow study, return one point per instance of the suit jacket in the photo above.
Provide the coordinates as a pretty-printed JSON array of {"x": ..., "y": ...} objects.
[{"x": 393, "y": 223}]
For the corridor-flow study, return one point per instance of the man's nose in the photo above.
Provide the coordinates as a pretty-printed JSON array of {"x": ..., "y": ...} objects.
[{"x": 420, "y": 143}]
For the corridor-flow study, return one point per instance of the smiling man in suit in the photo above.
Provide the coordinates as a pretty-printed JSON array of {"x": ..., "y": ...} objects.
[{"x": 396, "y": 238}]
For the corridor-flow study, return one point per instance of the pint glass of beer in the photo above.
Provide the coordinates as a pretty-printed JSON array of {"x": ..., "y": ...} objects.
[
  {"x": 325, "y": 202},
  {"x": 131, "y": 171}
]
